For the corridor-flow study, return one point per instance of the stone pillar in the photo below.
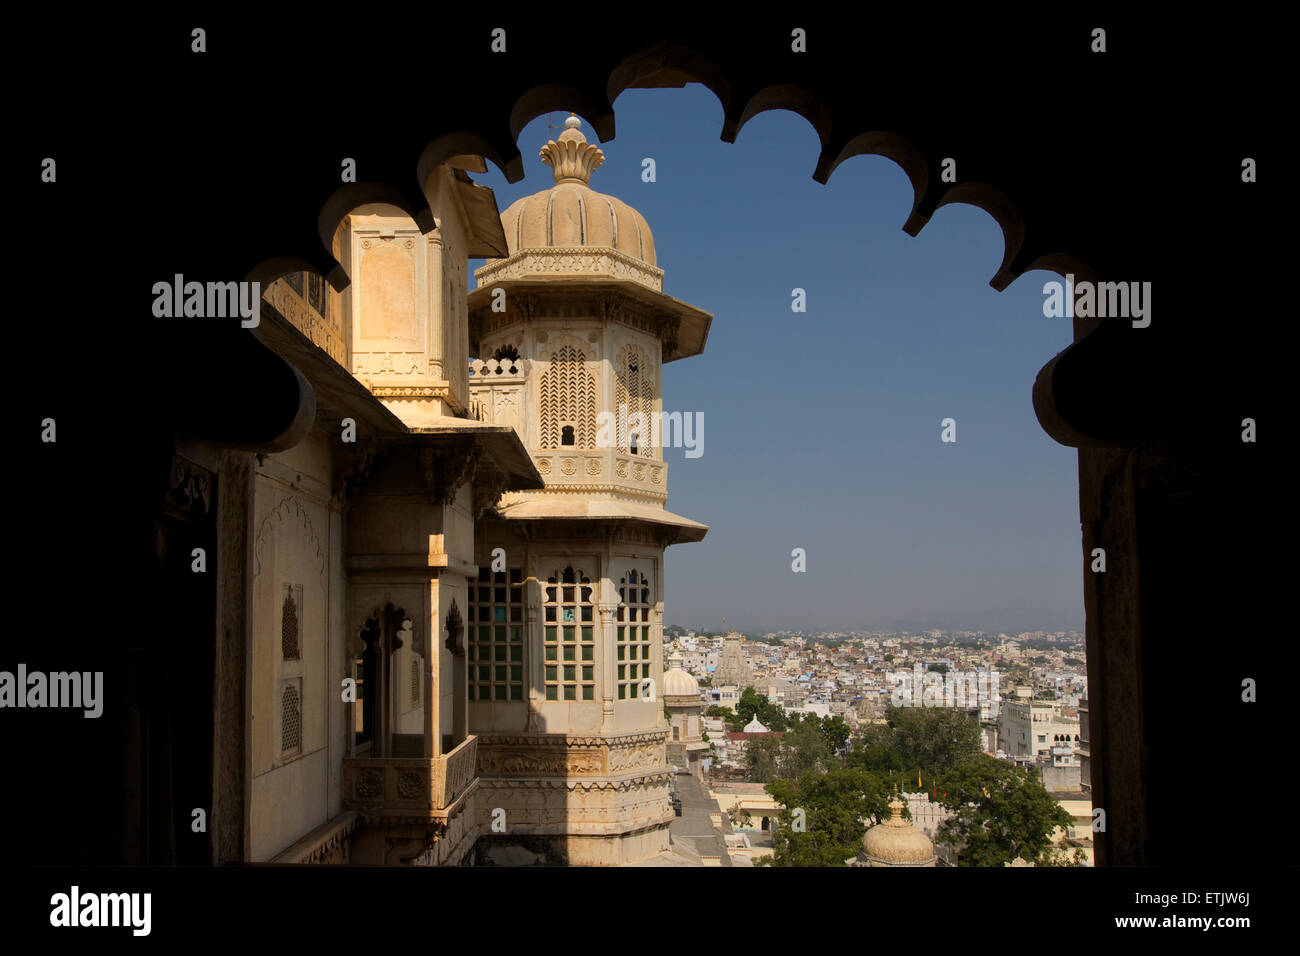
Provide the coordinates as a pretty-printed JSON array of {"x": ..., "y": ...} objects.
[
  {"x": 437, "y": 309},
  {"x": 607, "y": 654}
]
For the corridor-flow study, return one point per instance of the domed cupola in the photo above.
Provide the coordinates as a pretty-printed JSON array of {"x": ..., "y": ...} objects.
[
  {"x": 896, "y": 842},
  {"x": 567, "y": 228}
]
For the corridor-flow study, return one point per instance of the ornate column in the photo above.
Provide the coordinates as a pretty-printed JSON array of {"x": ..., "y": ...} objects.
[
  {"x": 437, "y": 347},
  {"x": 535, "y": 645},
  {"x": 607, "y": 682}
]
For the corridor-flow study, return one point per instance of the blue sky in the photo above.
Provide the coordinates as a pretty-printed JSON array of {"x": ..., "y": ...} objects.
[{"x": 822, "y": 428}]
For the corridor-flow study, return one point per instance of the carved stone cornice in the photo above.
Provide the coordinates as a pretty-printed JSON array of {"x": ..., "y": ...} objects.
[
  {"x": 189, "y": 489},
  {"x": 352, "y": 466},
  {"x": 570, "y": 740},
  {"x": 489, "y": 484},
  {"x": 445, "y": 469}
]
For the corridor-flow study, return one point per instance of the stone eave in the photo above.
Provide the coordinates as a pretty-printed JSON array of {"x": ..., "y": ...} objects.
[
  {"x": 487, "y": 239},
  {"x": 337, "y": 390},
  {"x": 500, "y": 443},
  {"x": 693, "y": 330},
  {"x": 615, "y": 513}
]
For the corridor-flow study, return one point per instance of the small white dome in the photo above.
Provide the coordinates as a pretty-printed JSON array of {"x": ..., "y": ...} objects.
[{"x": 677, "y": 682}]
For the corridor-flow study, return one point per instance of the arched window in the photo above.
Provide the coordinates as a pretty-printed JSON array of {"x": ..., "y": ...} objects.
[
  {"x": 634, "y": 398},
  {"x": 289, "y": 625},
  {"x": 568, "y": 401},
  {"x": 569, "y": 645},
  {"x": 633, "y": 634},
  {"x": 496, "y": 635}
]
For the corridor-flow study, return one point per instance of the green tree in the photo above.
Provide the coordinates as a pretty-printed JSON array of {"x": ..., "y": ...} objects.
[
  {"x": 932, "y": 739},
  {"x": 1001, "y": 812},
  {"x": 763, "y": 758},
  {"x": 938, "y": 668},
  {"x": 836, "y": 732},
  {"x": 804, "y": 750},
  {"x": 837, "y": 807}
]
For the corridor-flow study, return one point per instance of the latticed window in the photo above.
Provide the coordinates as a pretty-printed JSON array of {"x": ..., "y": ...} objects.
[
  {"x": 569, "y": 636},
  {"x": 568, "y": 401},
  {"x": 632, "y": 647},
  {"x": 290, "y": 719},
  {"x": 634, "y": 397},
  {"x": 496, "y": 635},
  {"x": 289, "y": 626}
]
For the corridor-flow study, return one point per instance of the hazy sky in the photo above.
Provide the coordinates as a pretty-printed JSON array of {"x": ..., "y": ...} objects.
[{"x": 822, "y": 428}]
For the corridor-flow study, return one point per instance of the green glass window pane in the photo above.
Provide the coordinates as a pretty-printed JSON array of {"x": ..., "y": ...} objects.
[
  {"x": 588, "y": 693},
  {"x": 499, "y": 633},
  {"x": 550, "y": 692},
  {"x": 472, "y": 685},
  {"x": 550, "y": 673},
  {"x": 471, "y": 651},
  {"x": 516, "y": 653},
  {"x": 622, "y": 633},
  {"x": 499, "y": 652},
  {"x": 622, "y": 650},
  {"x": 516, "y": 633},
  {"x": 622, "y": 672},
  {"x": 588, "y": 673},
  {"x": 569, "y": 615},
  {"x": 501, "y": 692},
  {"x": 483, "y": 632},
  {"x": 499, "y": 615},
  {"x": 569, "y": 652},
  {"x": 483, "y": 673},
  {"x": 569, "y": 633},
  {"x": 516, "y": 673},
  {"x": 550, "y": 633},
  {"x": 516, "y": 692},
  {"x": 501, "y": 672},
  {"x": 550, "y": 653},
  {"x": 622, "y": 691},
  {"x": 568, "y": 673},
  {"x": 586, "y": 612},
  {"x": 570, "y": 692},
  {"x": 587, "y": 634},
  {"x": 587, "y": 653},
  {"x": 645, "y": 670},
  {"x": 645, "y": 633},
  {"x": 645, "y": 596}
]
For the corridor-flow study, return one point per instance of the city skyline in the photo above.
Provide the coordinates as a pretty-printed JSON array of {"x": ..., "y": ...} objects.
[{"x": 899, "y": 334}]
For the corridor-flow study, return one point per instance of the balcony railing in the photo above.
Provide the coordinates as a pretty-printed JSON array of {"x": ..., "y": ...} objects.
[{"x": 411, "y": 786}]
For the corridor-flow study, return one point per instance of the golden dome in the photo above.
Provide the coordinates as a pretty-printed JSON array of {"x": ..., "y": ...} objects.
[
  {"x": 896, "y": 842},
  {"x": 572, "y": 214},
  {"x": 678, "y": 682}
]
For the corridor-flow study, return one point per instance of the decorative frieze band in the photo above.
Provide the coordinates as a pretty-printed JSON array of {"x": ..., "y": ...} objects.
[{"x": 572, "y": 260}]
